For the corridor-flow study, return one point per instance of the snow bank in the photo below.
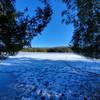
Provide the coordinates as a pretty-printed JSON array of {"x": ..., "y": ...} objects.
[{"x": 50, "y": 56}]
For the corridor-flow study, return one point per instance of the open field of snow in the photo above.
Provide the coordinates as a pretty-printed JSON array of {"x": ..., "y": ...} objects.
[{"x": 49, "y": 76}]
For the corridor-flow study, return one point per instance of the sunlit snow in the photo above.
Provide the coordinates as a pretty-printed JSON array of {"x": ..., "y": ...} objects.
[{"x": 50, "y": 76}]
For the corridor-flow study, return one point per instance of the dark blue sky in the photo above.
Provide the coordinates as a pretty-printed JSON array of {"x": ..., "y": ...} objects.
[{"x": 55, "y": 34}]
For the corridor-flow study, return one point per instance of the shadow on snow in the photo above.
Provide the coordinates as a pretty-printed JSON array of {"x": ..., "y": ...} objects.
[{"x": 57, "y": 79}]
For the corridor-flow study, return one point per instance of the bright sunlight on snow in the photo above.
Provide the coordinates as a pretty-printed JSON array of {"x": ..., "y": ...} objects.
[{"x": 50, "y": 76}]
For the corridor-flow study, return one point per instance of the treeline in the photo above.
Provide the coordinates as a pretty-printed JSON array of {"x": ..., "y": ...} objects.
[
  {"x": 17, "y": 28},
  {"x": 53, "y": 49}
]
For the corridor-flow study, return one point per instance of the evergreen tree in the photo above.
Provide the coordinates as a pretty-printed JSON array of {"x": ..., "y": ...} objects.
[
  {"x": 16, "y": 30},
  {"x": 85, "y": 15}
]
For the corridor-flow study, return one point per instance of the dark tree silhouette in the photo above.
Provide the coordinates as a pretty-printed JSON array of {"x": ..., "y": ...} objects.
[
  {"x": 85, "y": 15},
  {"x": 17, "y": 30}
]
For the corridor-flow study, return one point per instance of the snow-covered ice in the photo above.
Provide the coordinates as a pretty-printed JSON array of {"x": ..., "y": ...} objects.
[{"x": 51, "y": 76}]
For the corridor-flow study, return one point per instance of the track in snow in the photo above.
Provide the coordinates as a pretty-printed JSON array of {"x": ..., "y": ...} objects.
[{"x": 56, "y": 76}]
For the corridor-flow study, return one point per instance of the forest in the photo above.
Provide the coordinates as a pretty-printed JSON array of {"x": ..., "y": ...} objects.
[
  {"x": 50, "y": 49},
  {"x": 17, "y": 30}
]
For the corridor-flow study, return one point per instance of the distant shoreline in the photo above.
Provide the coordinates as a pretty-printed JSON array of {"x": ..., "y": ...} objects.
[{"x": 50, "y": 49}]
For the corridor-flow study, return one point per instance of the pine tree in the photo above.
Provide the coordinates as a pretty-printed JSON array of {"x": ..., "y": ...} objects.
[
  {"x": 16, "y": 30},
  {"x": 85, "y": 15}
]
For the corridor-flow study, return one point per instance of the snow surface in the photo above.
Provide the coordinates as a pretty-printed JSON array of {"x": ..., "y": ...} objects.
[{"x": 51, "y": 76}]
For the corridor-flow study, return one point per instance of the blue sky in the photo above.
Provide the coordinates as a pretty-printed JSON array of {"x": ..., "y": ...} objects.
[{"x": 55, "y": 34}]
